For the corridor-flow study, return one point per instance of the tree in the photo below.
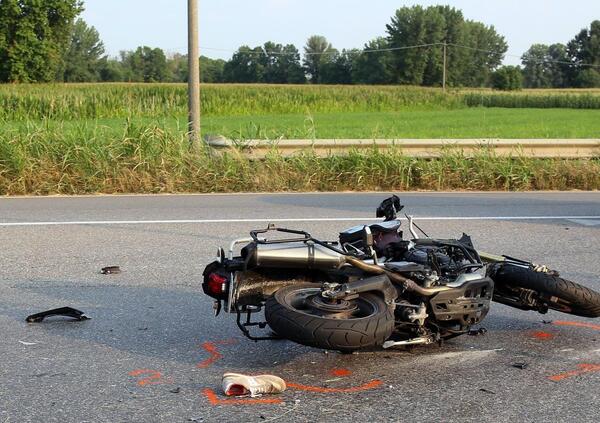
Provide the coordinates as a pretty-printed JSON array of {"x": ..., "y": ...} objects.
[
  {"x": 317, "y": 52},
  {"x": 83, "y": 56},
  {"x": 33, "y": 36},
  {"x": 290, "y": 61},
  {"x": 418, "y": 36},
  {"x": 474, "y": 65},
  {"x": 282, "y": 64},
  {"x": 588, "y": 78},
  {"x": 211, "y": 70},
  {"x": 145, "y": 64},
  {"x": 372, "y": 66},
  {"x": 544, "y": 66},
  {"x": 178, "y": 67},
  {"x": 245, "y": 66},
  {"x": 338, "y": 69},
  {"x": 584, "y": 52},
  {"x": 110, "y": 70},
  {"x": 507, "y": 78},
  {"x": 535, "y": 70},
  {"x": 272, "y": 64}
]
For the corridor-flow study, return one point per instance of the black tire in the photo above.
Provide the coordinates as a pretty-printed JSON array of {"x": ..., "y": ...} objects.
[
  {"x": 565, "y": 296},
  {"x": 285, "y": 314}
]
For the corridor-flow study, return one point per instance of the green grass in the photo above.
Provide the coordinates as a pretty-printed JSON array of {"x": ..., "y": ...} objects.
[
  {"x": 120, "y": 138},
  {"x": 151, "y": 160},
  {"x": 466, "y": 123}
]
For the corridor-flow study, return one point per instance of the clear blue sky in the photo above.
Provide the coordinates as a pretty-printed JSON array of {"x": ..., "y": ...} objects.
[{"x": 227, "y": 24}]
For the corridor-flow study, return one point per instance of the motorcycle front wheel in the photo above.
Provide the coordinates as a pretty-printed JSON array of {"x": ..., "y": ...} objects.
[
  {"x": 558, "y": 293},
  {"x": 300, "y": 314}
]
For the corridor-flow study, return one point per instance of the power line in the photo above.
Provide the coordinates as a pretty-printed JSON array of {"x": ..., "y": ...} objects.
[
  {"x": 380, "y": 50},
  {"x": 523, "y": 59}
]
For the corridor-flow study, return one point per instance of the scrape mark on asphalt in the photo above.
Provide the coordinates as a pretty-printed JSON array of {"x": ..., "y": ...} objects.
[
  {"x": 577, "y": 324},
  {"x": 582, "y": 369},
  {"x": 369, "y": 385},
  {"x": 215, "y": 400}
]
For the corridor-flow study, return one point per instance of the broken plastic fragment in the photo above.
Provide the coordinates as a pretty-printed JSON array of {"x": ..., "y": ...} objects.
[
  {"x": 62, "y": 311},
  {"x": 110, "y": 270}
]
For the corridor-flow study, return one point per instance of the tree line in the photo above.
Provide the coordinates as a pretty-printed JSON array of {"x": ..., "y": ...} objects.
[{"x": 46, "y": 41}]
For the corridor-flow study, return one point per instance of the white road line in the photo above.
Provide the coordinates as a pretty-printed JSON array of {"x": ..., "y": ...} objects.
[
  {"x": 586, "y": 222},
  {"x": 284, "y": 220}
]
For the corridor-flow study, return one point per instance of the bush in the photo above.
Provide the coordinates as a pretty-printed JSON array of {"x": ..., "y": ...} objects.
[
  {"x": 507, "y": 78},
  {"x": 588, "y": 78}
]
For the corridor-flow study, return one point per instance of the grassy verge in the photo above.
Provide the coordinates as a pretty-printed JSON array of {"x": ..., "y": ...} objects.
[
  {"x": 120, "y": 138},
  {"x": 466, "y": 123},
  {"x": 151, "y": 160}
]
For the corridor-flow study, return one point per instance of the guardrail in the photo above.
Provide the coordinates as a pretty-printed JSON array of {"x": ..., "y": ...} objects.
[{"x": 423, "y": 148}]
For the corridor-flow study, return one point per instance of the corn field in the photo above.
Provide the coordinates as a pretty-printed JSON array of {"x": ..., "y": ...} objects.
[{"x": 93, "y": 101}]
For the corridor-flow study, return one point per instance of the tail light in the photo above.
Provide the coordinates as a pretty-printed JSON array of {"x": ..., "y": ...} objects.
[
  {"x": 216, "y": 281},
  {"x": 217, "y": 284}
]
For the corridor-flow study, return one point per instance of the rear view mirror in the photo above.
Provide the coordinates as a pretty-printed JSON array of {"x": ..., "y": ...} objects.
[
  {"x": 389, "y": 208},
  {"x": 367, "y": 237}
]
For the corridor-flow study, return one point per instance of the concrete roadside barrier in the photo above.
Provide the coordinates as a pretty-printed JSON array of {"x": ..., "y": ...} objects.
[{"x": 422, "y": 148}]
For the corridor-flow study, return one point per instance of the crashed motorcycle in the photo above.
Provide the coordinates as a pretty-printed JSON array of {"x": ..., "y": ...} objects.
[{"x": 375, "y": 289}]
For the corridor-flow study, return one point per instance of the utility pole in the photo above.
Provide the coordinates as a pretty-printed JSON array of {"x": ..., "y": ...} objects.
[
  {"x": 445, "y": 63},
  {"x": 194, "y": 74}
]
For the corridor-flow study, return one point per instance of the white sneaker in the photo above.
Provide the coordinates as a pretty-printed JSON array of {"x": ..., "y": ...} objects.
[{"x": 238, "y": 384}]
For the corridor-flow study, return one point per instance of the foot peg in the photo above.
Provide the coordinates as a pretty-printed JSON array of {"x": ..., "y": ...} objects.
[{"x": 413, "y": 341}]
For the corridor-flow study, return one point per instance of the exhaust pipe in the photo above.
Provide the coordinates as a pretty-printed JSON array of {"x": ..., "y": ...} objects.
[
  {"x": 408, "y": 284},
  {"x": 293, "y": 255}
]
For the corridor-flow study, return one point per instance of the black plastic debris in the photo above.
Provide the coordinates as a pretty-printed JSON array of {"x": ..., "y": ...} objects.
[
  {"x": 487, "y": 391},
  {"x": 62, "y": 311},
  {"x": 110, "y": 270},
  {"x": 521, "y": 366},
  {"x": 477, "y": 332},
  {"x": 175, "y": 390}
]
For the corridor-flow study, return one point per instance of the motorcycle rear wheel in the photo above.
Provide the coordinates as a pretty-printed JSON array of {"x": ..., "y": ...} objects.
[
  {"x": 562, "y": 295},
  {"x": 299, "y": 314}
]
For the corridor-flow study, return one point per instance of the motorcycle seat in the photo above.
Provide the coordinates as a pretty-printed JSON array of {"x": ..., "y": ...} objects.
[{"x": 355, "y": 233}]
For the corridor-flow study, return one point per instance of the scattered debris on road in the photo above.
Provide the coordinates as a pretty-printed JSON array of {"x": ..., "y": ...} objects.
[
  {"x": 521, "y": 366},
  {"x": 62, "y": 311},
  {"x": 110, "y": 270},
  {"x": 175, "y": 390},
  {"x": 477, "y": 332},
  {"x": 487, "y": 391}
]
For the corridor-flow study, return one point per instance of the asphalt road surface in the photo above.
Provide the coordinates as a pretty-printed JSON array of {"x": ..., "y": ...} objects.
[{"x": 154, "y": 352}]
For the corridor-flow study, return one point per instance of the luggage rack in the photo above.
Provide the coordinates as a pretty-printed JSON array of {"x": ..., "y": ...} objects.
[{"x": 304, "y": 238}]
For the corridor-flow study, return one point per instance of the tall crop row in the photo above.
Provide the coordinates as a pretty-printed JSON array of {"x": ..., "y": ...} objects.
[{"x": 91, "y": 101}]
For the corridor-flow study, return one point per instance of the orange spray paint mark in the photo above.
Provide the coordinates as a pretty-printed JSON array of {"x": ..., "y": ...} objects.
[
  {"x": 583, "y": 368},
  {"x": 542, "y": 335},
  {"x": 214, "y": 354},
  {"x": 578, "y": 324},
  {"x": 211, "y": 349},
  {"x": 215, "y": 400},
  {"x": 340, "y": 372},
  {"x": 369, "y": 385},
  {"x": 154, "y": 377}
]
